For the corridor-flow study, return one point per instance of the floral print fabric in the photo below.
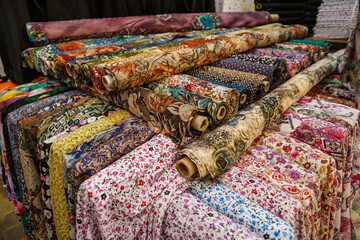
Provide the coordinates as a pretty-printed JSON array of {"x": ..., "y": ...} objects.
[
  {"x": 204, "y": 88},
  {"x": 216, "y": 109},
  {"x": 243, "y": 211},
  {"x": 163, "y": 114},
  {"x": 121, "y": 195},
  {"x": 133, "y": 134},
  {"x": 267, "y": 196},
  {"x": 187, "y": 217}
]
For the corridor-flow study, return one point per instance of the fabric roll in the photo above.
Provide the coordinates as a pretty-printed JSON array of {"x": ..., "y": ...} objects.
[
  {"x": 133, "y": 134},
  {"x": 163, "y": 114},
  {"x": 58, "y": 125},
  {"x": 134, "y": 73},
  {"x": 125, "y": 186},
  {"x": 42, "y": 33},
  {"x": 318, "y": 162},
  {"x": 234, "y": 73},
  {"x": 332, "y": 99},
  {"x": 28, "y": 130},
  {"x": 272, "y": 73},
  {"x": 255, "y": 166},
  {"x": 266, "y": 196},
  {"x": 218, "y": 150},
  {"x": 255, "y": 89},
  {"x": 20, "y": 113},
  {"x": 204, "y": 88},
  {"x": 335, "y": 91},
  {"x": 319, "y": 133},
  {"x": 301, "y": 58},
  {"x": 323, "y": 44},
  {"x": 200, "y": 221},
  {"x": 243, "y": 211},
  {"x": 281, "y": 63},
  {"x": 217, "y": 110},
  {"x": 313, "y": 51}
]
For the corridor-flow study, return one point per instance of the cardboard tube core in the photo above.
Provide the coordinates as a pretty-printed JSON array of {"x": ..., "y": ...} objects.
[
  {"x": 274, "y": 17},
  {"x": 109, "y": 82},
  {"x": 186, "y": 167},
  {"x": 306, "y": 64},
  {"x": 243, "y": 99},
  {"x": 69, "y": 69},
  {"x": 199, "y": 123},
  {"x": 266, "y": 86},
  {"x": 221, "y": 113}
]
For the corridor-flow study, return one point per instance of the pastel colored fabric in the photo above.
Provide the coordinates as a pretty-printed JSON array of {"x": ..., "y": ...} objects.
[
  {"x": 242, "y": 210},
  {"x": 204, "y": 88},
  {"x": 218, "y": 150},
  {"x": 280, "y": 63},
  {"x": 273, "y": 74},
  {"x": 189, "y": 218},
  {"x": 217, "y": 110},
  {"x": 58, "y": 149},
  {"x": 255, "y": 166},
  {"x": 334, "y": 140},
  {"x": 318, "y": 162},
  {"x": 135, "y": 73},
  {"x": 125, "y": 186},
  {"x": 163, "y": 114},
  {"x": 265, "y": 195},
  {"x": 255, "y": 89},
  {"x": 133, "y": 134},
  {"x": 42, "y": 33}
]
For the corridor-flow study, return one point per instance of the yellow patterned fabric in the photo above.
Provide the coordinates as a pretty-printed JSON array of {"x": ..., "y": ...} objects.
[{"x": 60, "y": 147}]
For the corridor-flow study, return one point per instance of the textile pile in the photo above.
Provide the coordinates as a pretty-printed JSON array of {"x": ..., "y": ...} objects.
[{"x": 227, "y": 131}]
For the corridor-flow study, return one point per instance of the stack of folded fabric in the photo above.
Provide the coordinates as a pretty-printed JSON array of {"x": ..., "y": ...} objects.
[{"x": 336, "y": 19}]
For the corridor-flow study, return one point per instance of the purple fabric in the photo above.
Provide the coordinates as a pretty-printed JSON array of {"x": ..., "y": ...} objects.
[{"x": 59, "y": 31}]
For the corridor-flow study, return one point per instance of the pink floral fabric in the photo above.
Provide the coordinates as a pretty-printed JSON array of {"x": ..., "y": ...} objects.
[{"x": 131, "y": 196}]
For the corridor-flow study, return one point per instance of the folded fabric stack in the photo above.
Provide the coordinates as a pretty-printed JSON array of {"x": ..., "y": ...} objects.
[{"x": 336, "y": 19}]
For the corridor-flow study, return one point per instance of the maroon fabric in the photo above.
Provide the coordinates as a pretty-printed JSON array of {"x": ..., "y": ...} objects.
[{"x": 59, "y": 31}]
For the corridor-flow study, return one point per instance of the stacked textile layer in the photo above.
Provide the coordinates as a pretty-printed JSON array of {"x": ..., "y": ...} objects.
[{"x": 336, "y": 19}]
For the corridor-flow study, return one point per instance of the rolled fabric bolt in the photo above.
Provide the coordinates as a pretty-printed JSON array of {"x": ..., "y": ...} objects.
[
  {"x": 243, "y": 98},
  {"x": 199, "y": 123},
  {"x": 217, "y": 150},
  {"x": 47, "y": 64},
  {"x": 221, "y": 113},
  {"x": 266, "y": 85},
  {"x": 274, "y": 17},
  {"x": 109, "y": 82},
  {"x": 186, "y": 167}
]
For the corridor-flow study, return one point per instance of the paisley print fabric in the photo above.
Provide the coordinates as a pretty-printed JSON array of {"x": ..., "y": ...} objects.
[
  {"x": 243, "y": 211},
  {"x": 216, "y": 151},
  {"x": 163, "y": 114},
  {"x": 204, "y": 88},
  {"x": 125, "y": 186},
  {"x": 216, "y": 109},
  {"x": 132, "y": 135},
  {"x": 266, "y": 196},
  {"x": 189, "y": 218}
]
